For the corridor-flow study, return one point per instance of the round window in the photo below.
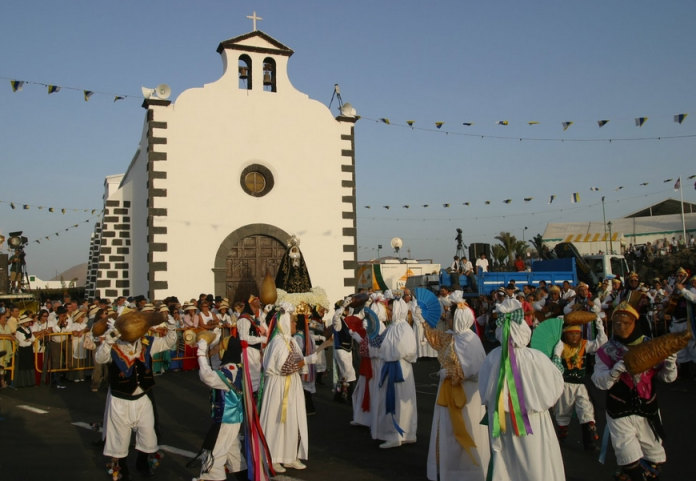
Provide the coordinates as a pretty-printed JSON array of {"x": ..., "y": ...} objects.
[{"x": 256, "y": 180}]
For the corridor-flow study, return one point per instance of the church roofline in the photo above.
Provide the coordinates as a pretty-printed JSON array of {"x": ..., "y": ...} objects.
[{"x": 233, "y": 44}]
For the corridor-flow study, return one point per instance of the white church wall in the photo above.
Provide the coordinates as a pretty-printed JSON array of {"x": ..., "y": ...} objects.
[
  {"x": 215, "y": 132},
  {"x": 183, "y": 189}
]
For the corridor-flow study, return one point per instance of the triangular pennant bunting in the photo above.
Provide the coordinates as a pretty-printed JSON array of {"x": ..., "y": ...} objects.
[
  {"x": 17, "y": 85},
  {"x": 680, "y": 118},
  {"x": 87, "y": 94},
  {"x": 439, "y": 124},
  {"x": 566, "y": 125},
  {"x": 602, "y": 123},
  {"x": 640, "y": 121}
]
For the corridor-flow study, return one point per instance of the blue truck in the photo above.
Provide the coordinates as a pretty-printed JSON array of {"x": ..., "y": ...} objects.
[{"x": 552, "y": 271}]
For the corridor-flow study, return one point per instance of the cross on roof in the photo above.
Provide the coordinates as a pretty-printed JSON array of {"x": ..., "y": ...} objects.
[{"x": 254, "y": 18}]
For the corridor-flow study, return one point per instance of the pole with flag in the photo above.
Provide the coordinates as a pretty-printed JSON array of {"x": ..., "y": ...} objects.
[{"x": 677, "y": 185}]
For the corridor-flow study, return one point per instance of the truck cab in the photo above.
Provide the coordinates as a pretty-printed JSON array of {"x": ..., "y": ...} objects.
[{"x": 605, "y": 265}]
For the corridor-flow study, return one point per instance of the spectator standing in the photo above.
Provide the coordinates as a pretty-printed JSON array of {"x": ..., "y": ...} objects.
[
  {"x": 24, "y": 369},
  {"x": 6, "y": 347},
  {"x": 79, "y": 353},
  {"x": 482, "y": 263}
]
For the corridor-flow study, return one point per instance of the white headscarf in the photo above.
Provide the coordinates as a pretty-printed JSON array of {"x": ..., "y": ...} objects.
[
  {"x": 286, "y": 309},
  {"x": 520, "y": 333},
  {"x": 467, "y": 344},
  {"x": 399, "y": 310}
]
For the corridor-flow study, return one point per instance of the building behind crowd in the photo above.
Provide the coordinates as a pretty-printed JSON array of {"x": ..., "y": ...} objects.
[
  {"x": 653, "y": 223},
  {"x": 222, "y": 178}
]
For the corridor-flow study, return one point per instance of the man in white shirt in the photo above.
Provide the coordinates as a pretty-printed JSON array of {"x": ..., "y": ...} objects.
[
  {"x": 468, "y": 271},
  {"x": 482, "y": 263}
]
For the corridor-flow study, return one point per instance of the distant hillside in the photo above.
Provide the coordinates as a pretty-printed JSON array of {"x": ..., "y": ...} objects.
[{"x": 79, "y": 271}]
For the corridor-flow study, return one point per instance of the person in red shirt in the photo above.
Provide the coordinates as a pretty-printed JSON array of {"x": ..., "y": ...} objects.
[
  {"x": 519, "y": 264},
  {"x": 527, "y": 308}
]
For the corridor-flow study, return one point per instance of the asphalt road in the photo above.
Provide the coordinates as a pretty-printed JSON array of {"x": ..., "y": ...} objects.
[{"x": 48, "y": 446}]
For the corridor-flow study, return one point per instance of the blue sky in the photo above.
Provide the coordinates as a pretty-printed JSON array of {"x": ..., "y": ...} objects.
[{"x": 436, "y": 61}]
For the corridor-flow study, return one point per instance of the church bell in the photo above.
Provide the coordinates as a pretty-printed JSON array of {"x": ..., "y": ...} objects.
[{"x": 243, "y": 73}]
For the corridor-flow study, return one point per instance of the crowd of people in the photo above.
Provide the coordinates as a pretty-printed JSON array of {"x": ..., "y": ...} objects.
[{"x": 263, "y": 363}]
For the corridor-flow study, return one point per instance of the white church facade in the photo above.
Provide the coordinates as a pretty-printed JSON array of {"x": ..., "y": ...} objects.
[{"x": 222, "y": 178}]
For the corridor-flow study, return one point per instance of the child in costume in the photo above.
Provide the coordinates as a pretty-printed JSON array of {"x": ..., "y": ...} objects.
[
  {"x": 575, "y": 396},
  {"x": 232, "y": 404}
]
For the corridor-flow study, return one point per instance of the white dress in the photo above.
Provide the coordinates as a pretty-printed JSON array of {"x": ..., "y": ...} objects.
[
  {"x": 399, "y": 345},
  {"x": 537, "y": 455},
  {"x": 447, "y": 459},
  {"x": 287, "y": 438}
]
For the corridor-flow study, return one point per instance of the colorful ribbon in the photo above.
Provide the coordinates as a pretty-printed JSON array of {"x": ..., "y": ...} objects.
[
  {"x": 258, "y": 455},
  {"x": 391, "y": 372},
  {"x": 454, "y": 399},
  {"x": 510, "y": 376}
]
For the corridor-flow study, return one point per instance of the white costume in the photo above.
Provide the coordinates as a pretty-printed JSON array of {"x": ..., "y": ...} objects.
[
  {"x": 123, "y": 414},
  {"x": 575, "y": 396},
  {"x": 375, "y": 358},
  {"x": 631, "y": 434},
  {"x": 244, "y": 329},
  {"x": 397, "y": 351},
  {"x": 689, "y": 352},
  {"x": 369, "y": 356},
  {"x": 461, "y": 355},
  {"x": 227, "y": 450},
  {"x": 537, "y": 455},
  {"x": 423, "y": 347},
  {"x": 343, "y": 358},
  {"x": 283, "y": 415}
]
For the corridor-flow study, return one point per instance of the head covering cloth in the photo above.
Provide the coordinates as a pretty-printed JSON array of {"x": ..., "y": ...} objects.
[{"x": 512, "y": 332}]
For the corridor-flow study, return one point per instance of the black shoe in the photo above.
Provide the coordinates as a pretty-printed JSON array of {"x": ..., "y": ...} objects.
[
  {"x": 147, "y": 471},
  {"x": 98, "y": 444}
]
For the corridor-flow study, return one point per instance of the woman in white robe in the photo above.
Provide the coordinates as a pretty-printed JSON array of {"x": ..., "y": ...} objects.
[
  {"x": 536, "y": 455},
  {"x": 283, "y": 414},
  {"x": 397, "y": 351},
  {"x": 376, "y": 360},
  {"x": 423, "y": 347},
  {"x": 454, "y": 455}
]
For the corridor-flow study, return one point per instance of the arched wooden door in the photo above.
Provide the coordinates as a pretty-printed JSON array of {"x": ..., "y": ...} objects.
[{"x": 251, "y": 257}]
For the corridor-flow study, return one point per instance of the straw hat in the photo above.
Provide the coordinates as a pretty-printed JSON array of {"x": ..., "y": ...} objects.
[
  {"x": 93, "y": 311},
  {"x": 78, "y": 315},
  {"x": 164, "y": 308},
  {"x": 23, "y": 319},
  {"x": 188, "y": 307},
  {"x": 147, "y": 308}
]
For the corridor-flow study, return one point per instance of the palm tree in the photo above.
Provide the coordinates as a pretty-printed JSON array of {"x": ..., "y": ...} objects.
[
  {"x": 538, "y": 242},
  {"x": 510, "y": 244},
  {"x": 499, "y": 254}
]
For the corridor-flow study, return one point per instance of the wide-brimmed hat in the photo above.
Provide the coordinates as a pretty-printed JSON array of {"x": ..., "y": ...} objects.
[
  {"x": 632, "y": 275},
  {"x": 147, "y": 308},
  {"x": 554, "y": 289},
  {"x": 188, "y": 306},
  {"x": 78, "y": 315},
  {"x": 23, "y": 319},
  {"x": 93, "y": 311},
  {"x": 164, "y": 308},
  {"x": 224, "y": 305}
]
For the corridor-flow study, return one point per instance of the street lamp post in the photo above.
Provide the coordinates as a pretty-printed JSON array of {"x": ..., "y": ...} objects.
[
  {"x": 523, "y": 232},
  {"x": 379, "y": 246},
  {"x": 611, "y": 244}
]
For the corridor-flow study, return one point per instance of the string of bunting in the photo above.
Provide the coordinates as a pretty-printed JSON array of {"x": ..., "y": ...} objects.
[
  {"x": 564, "y": 212},
  {"x": 63, "y": 210},
  {"x": 57, "y": 234},
  {"x": 574, "y": 197},
  {"x": 18, "y": 86},
  {"x": 639, "y": 122}
]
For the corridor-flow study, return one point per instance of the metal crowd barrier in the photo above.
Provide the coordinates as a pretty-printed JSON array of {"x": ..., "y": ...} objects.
[
  {"x": 11, "y": 367},
  {"x": 58, "y": 353}
]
